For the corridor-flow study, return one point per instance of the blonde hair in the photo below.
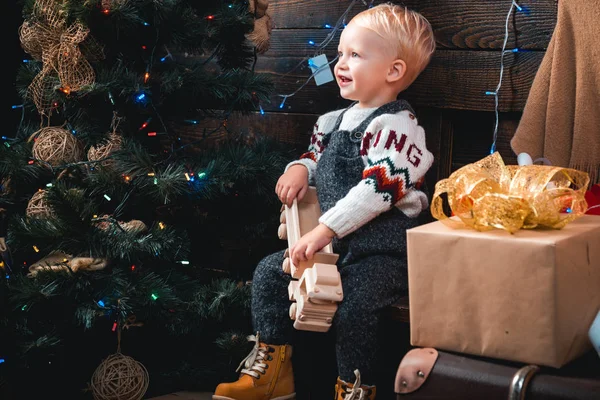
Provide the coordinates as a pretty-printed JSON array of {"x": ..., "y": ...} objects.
[{"x": 409, "y": 34}]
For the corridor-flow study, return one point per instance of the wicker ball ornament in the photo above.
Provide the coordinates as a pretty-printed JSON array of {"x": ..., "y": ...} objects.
[
  {"x": 56, "y": 146},
  {"x": 120, "y": 377},
  {"x": 37, "y": 206},
  {"x": 105, "y": 149}
]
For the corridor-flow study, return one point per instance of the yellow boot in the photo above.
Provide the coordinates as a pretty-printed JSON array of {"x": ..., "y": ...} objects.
[
  {"x": 354, "y": 391},
  {"x": 267, "y": 375}
]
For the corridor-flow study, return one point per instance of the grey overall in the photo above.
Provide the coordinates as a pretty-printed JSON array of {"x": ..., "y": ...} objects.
[{"x": 372, "y": 261}]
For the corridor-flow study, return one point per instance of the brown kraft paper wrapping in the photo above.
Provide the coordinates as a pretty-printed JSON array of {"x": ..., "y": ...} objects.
[{"x": 529, "y": 297}]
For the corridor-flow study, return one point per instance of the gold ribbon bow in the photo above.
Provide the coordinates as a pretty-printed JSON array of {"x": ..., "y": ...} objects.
[
  {"x": 46, "y": 37},
  {"x": 489, "y": 194}
]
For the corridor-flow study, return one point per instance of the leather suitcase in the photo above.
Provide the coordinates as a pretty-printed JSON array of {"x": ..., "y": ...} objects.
[{"x": 426, "y": 373}]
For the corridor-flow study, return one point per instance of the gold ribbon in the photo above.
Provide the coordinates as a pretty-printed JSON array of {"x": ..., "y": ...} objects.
[
  {"x": 489, "y": 194},
  {"x": 46, "y": 37}
]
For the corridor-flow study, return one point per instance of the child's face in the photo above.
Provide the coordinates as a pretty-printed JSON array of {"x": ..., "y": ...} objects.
[{"x": 363, "y": 66}]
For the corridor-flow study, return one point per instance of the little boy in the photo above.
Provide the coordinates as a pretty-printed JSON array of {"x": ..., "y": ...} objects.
[{"x": 367, "y": 162}]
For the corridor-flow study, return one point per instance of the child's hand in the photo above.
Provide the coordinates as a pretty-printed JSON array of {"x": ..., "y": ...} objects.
[
  {"x": 310, "y": 243},
  {"x": 293, "y": 183}
]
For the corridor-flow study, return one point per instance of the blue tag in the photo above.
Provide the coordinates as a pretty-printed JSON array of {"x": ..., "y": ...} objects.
[{"x": 324, "y": 74}]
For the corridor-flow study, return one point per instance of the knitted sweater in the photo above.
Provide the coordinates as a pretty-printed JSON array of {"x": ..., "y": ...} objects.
[{"x": 395, "y": 158}]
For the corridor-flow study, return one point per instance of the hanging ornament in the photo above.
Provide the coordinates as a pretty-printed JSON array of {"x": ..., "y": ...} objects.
[
  {"x": 119, "y": 377},
  {"x": 263, "y": 25},
  {"x": 134, "y": 226},
  {"x": 37, "y": 206},
  {"x": 46, "y": 36},
  {"x": 102, "y": 151},
  {"x": 59, "y": 261},
  {"x": 56, "y": 146}
]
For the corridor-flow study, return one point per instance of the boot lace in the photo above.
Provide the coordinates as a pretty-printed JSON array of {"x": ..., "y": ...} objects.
[
  {"x": 254, "y": 364},
  {"x": 356, "y": 392}
]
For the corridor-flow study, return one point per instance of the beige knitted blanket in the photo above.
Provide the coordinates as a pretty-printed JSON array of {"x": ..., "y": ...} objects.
[{"x": 561, "y": 119}]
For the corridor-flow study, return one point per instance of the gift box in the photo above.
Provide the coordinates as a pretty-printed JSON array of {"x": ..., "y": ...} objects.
[{"x": 528, "y": 296}]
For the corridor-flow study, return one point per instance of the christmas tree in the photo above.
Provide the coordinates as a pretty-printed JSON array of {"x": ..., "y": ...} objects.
[{"x": 122, "y": 233}]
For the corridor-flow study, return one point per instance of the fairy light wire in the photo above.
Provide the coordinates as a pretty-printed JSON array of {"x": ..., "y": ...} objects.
[
  {"x": 513, "y": 5},
  {"x": 320, "y": 47}
]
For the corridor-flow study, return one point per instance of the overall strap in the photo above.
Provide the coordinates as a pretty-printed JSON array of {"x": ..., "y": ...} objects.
[
  {"x": 392, "y": 107},
  {"x": 336, "y": 127}
]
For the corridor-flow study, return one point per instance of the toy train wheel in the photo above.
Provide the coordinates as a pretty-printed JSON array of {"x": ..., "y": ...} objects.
[{"x": 287, "y": 268}]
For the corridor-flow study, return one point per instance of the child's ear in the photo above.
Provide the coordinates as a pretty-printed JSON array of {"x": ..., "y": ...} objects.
[{"x": 397, "y": 71}]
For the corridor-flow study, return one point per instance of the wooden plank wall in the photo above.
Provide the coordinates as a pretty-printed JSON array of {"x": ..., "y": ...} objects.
[{"x": 449, "y": 96}]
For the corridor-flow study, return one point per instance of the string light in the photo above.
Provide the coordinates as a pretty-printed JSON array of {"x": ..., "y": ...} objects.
[
  {"x": 494, "y": 93},
  {"x": 140, "y": 97},
  {"x": 100, "y": 303},
  {"x": 341, "y": 22},
  {"x": 36, "y": 249},
  {"x": 145, "y": 124},
  {"x": 154, "y": 297},
  {"x": 107, "y": 197},
  {"x": 283, "y": 101}
]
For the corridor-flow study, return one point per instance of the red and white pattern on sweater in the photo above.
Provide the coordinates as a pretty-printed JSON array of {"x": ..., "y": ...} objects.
[
  {"x": 392, "y": 163},
  {"x": 316, "y": 146}
]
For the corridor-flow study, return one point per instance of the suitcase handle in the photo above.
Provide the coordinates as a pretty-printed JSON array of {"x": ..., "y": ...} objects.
[{"x": 520, "y": 380}]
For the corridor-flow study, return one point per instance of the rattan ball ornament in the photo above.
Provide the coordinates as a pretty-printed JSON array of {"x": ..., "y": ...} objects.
[
  {"x": 105, "y": 149},
  {"x": 120, "y": 377},
  {"x": 37, "y": 206},
  {"x": 56, "y": 146}
]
